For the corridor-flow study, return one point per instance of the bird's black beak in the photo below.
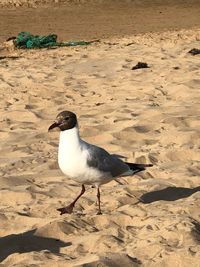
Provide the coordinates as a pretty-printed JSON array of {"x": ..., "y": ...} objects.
[{"x": 54, "y": 125}]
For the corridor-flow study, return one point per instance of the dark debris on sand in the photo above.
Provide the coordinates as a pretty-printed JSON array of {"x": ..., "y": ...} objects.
[
  {"x": 140, "y": 65},
  {"x": 194, "y": 51}
]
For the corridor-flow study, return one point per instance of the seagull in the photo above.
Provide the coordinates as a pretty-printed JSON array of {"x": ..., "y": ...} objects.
[{"x": 85, "y": 163}]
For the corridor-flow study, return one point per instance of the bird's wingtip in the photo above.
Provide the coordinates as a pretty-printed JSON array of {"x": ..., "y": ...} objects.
[{"x": 150, "y": 165}]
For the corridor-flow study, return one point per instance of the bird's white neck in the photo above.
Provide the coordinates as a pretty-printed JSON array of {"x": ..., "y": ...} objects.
[
  {"x": 69, "y": 138},
  {"x": 70, "y": 152}
]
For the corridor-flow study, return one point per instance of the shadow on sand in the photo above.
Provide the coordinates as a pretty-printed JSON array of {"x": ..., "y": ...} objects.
[
  {"x": 168, "y": 194},
  {"x": 26, "y": 242}
]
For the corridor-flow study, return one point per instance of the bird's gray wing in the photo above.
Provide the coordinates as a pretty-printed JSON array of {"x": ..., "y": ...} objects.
[{"x": 103, "y": 161}]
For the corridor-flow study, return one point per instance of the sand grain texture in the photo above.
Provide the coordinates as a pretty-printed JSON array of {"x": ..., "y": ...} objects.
[{"x": 146, "y": 115}]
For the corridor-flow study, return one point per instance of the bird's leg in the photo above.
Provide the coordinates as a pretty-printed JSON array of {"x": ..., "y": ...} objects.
[
  {"x": 69, "y": 208},
  {"x": 99, "y": 202}
]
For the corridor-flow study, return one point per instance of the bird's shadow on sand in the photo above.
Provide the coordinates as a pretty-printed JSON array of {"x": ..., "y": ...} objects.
[
  {"x": 27, "y": 242},
  {"x": 168, "y": 194}
]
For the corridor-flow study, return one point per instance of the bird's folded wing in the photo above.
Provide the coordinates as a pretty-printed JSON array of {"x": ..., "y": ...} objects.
[{"x": 100, "y": 159}]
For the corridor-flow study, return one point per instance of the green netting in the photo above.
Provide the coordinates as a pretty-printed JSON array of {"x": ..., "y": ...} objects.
[{"x": 30, "y": 41}]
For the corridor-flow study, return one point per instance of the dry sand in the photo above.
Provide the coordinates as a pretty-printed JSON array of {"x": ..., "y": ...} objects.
[{"x": 146, "y": 115}]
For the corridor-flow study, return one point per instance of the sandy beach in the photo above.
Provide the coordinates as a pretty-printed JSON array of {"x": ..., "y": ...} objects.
[{"x": 147, "y": 115}]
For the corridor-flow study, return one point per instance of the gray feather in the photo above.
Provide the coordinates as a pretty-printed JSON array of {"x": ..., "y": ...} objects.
[{"x": 105, "y": 162}]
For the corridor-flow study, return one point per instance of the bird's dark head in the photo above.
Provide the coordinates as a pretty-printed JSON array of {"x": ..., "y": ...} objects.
[{"x": 65, "y": 120}]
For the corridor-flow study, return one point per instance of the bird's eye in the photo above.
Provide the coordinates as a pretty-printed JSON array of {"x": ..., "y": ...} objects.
[{"x": 67, "y": 118}]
